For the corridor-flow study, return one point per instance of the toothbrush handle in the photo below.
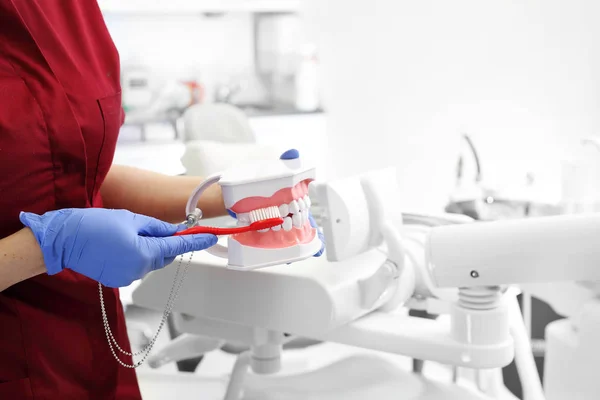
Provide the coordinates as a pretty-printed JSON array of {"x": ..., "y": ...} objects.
[
  {"x": 255, "y": 226},
  {"x": 214, "y": 230}
]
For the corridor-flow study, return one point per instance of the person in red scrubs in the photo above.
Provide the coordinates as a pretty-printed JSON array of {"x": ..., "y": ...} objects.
[{"x": 60, "y": 114}]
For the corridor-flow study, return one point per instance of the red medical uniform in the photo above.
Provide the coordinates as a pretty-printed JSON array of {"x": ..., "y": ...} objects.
[{"x": 60, "y": 114}]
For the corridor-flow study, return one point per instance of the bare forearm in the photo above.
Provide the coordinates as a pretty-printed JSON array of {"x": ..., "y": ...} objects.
[
  {"x": 157, "y": 195},
  {"x": 20, "y": 258}
]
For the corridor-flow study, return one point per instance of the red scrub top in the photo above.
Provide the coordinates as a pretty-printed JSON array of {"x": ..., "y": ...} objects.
[{"x": 60, "y": 114}]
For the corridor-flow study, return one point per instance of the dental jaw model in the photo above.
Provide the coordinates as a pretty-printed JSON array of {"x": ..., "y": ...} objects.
[{"x": 264, "y": 190}]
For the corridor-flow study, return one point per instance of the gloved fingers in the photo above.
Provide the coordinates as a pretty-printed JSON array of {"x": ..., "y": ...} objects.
[
  {"x": 181, "y": 227},
  {"x": 169, "y": 260},
  {"x": 312, "y": 221},
  {"x": 175, "y": 245},
  {"x": 148, "y": 226},
  {"x": 322, "y": 237}
]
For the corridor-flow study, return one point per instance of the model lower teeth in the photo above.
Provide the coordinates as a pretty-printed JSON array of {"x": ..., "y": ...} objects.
[
  {"x": 294, "y": 207},
  {"x": 287, "y": 224},
  {"x": 297, "y": 220}
]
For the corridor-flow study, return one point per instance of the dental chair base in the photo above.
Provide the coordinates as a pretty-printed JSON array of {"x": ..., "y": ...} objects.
[
  {"x": 351, "y": 376},
  {"x": 357, "y": 377}
]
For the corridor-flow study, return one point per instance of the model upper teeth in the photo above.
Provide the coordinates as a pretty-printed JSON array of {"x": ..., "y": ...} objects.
[
  {"x": 284, "y": 210},
  {"x": 307, "y": 201},
  {"x": 304, "y": 214},
  {"x": 294, "y": 207},
  {"x": 301, "y": 204},
  {"x": 294, "y": 214},
  {"x": 297, "y": 220}
]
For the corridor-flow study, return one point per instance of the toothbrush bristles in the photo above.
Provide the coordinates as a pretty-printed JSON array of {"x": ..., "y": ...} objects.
[{"x": 264, "y": 213}]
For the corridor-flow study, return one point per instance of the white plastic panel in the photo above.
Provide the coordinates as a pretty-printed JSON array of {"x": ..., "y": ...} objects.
[
  {"x": 234, "y": 192},
  {"x": 572, "y": 363},
  {"x": 355, "y": 208},
  {"x": 346, "y": 222},
  {"x": 246, "y": 258},
  {"x": 260, "y": 171},
  {"x": 304, "y": 298}
]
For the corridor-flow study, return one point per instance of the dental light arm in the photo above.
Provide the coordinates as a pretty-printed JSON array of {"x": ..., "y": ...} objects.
[{"x": 533, "y": 250}]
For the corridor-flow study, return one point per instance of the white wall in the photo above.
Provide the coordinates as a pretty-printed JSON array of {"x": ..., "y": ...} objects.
[
  {"x": 404, "y": 78},
  {"x": 185, "y": 46}
]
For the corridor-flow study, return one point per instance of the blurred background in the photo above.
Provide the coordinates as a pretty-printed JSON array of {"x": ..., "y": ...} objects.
[
  {"x": 489, "y": 109},
  {"x": 251, "y": 55}
]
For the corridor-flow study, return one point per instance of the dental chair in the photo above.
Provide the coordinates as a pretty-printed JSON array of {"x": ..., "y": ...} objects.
[
  {"x": 379, "y": 263},
  {"x": 217, "y": 122},
  {"x": 218, "y": 136}
]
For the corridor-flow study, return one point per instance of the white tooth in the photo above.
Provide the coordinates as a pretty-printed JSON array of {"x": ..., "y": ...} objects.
[
  {"x": 263, "y": 230},
  {"x": 294, "y": 207},
  {"x": 287, "y": 224},
  {"x": 276, "y": 228},
  {"x": 304, "y": 216},
  {"x": 301, "y": 204},
  {"x": 307, "y": 201},
  {"x": 284, "y": 210},
  {"x": 297, "y": 220}
]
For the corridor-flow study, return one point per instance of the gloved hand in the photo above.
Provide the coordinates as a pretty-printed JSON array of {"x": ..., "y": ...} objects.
[
  {"x": 114, "y": 247},
  {"x": 313, "y": 223}
]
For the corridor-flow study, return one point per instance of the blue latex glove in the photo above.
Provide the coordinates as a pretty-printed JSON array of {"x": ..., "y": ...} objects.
[
  {"x": 114, "y": 247},
  {"x": 313, "y": 223}
]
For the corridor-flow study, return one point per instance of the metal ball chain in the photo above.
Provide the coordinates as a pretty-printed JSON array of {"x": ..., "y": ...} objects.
[
  {"x": 177, "y": 284},
  {"x": 165, "y": 315}
]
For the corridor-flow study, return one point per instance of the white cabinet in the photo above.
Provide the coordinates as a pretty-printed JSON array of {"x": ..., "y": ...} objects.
[{"x": 201, "y": 6}]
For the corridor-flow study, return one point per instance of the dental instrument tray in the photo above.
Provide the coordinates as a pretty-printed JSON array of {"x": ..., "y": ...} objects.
[{"x": 270, "y": 201}]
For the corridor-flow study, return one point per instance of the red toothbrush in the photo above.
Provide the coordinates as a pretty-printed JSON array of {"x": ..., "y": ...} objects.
[{"x": 255, "y": 226}]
